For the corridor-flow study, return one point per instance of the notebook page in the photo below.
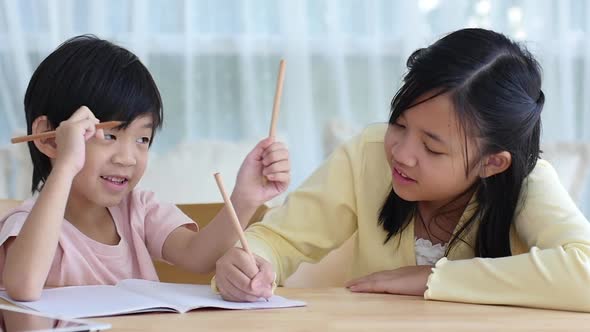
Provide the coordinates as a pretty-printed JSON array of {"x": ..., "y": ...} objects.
[
  {"x": 185, "y": 297},
  {"x": 91, "y": 301}
]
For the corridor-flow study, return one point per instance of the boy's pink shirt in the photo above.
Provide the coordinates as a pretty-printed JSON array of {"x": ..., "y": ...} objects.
[{"x": 143, "y": 225}]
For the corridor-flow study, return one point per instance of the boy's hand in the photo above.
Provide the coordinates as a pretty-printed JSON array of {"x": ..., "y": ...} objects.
[
  {"x": 239, "y": 279},
  {"x": 71, "y": 136},
  {"x": 268, "y": 160}
]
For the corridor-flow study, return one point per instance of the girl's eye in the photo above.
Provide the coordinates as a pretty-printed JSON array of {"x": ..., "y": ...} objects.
[
  {"x": 143, "y": 140},
  {"x": 109, "y": 137},
  {"x": 432, "y": 152},
  {"x": 399, "y": 125}
]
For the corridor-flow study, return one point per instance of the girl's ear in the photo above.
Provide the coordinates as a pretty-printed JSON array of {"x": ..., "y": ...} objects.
[
  {"x": 47, "y": 145},
  {"x": 496, "y": 164}
]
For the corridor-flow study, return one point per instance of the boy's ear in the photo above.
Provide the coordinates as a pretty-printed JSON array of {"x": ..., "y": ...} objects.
[
  {"x": 47, "y": 145},
  {"x": 496, "y": 163}
]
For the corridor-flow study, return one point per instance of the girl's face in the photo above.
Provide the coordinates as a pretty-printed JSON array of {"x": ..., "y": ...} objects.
[
  {"x": 425, "y": 149},
  {"x": 114, "y": 165}
]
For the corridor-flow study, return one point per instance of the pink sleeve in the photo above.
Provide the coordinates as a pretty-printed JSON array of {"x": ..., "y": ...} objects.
[
  {"x": 160, "y": 220},
  {"x": 9, "y": 227},
  {"x": 12, "y": 225}
]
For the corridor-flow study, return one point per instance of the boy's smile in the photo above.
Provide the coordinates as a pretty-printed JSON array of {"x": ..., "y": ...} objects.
[
  {"x": 115, "y": 183},
  {"x": 114, "y": 165}
]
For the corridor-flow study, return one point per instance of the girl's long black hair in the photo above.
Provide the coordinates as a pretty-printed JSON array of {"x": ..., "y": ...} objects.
[{"x": 495, "y": 85}]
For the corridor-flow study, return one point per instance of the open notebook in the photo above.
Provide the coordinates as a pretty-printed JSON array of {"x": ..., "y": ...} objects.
[{"x": 137, "y": 296}]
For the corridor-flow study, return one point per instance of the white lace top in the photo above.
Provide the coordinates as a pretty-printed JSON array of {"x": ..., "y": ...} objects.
[{"x": 428, "y": 254}]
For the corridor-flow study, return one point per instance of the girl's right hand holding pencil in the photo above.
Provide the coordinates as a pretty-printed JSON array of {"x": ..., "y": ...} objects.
[{"x": 239, "y": 280}]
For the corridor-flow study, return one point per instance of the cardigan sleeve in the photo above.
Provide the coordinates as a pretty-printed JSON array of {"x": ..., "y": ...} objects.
[
  {"x": 553, "y": 274},
  {"x": 316, "y": 218}
]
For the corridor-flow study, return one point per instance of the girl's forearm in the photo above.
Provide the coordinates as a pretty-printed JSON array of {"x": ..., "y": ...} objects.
[{"x": 31, "y": 254}]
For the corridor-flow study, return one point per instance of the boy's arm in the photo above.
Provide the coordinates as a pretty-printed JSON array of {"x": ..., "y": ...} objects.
[
  {"x": 29, "y": 256},
  {"x": 198, "y": 251}
]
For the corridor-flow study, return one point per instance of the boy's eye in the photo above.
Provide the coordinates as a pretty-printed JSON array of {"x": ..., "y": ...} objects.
[
  {"x": 109, "y": 137},
  {"x": 143, "y": 140}
]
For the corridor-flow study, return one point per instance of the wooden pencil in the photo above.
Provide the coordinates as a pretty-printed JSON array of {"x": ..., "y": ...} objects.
[{"x": 50, "y": 134}]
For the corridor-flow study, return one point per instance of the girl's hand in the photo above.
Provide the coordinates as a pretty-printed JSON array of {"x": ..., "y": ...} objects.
[
  {"x": 71, "y": 136},
  {"x": 409, "y": 280},
  {"x": 239, "y": 278},
  {"x": 264, "y": 174}
]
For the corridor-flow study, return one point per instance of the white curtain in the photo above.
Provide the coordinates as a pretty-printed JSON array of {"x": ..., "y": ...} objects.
[{"x": 215, "y": 61}]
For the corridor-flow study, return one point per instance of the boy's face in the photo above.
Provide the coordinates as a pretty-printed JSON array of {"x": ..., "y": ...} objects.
[
  {"x": 114, "y": 165},
  {"x": 425, "y": 149}
]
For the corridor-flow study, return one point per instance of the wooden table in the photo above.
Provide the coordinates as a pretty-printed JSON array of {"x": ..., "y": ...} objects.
[{"x": 334, "y": 309}]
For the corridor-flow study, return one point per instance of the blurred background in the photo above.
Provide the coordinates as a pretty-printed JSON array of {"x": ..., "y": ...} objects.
[{"x": 216, "y": 62}]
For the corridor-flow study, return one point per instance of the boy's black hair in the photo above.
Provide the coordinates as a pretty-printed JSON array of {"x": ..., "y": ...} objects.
[{"x": 88, "y": 71}]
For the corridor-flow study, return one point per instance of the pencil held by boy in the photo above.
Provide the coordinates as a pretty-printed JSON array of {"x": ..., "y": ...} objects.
[{"x": 89, "y": 224}]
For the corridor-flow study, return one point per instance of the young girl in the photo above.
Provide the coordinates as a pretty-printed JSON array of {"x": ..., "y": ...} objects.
[
  {"x": 450, "y": 200},
  {"x": 89, "y": 225}
]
